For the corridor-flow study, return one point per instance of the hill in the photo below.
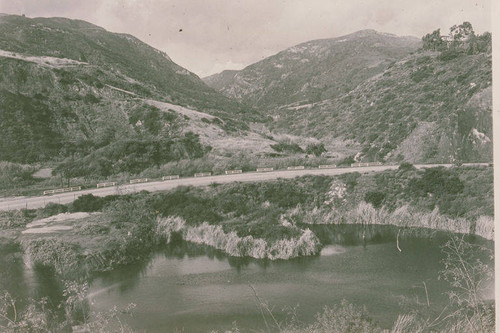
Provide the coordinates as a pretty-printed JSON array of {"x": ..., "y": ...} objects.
[
  {"x": 118, "y": 53},
  {"x": 431, "y": 106},
  {"x": 393, "y": 97},
  {"x": 315, "y": 70},
  {"x": 69, "y": 88}
]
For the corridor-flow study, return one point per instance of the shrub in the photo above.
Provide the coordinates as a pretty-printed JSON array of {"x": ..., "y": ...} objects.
[
  {"x": 470, "y": 313},
  {"x": 315, "y": 149},
  {"x": 437, "y": 181},
  {"x": 63, "y": 257},
  {"x": 345, "y": 317},
  {"x": 53, "y": 208},
  {"x": 375, "y": 198},
  {"x": 283, "y": 147},
  {"x": 449, "y": 55},
  {"x": 87, "y": 203},
  {"x": 405, "y": 166},
  {"x": 347, "y": 161}
]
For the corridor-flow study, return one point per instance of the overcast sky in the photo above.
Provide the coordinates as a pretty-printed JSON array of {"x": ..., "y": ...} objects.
[{"x": 231, "y": 34}]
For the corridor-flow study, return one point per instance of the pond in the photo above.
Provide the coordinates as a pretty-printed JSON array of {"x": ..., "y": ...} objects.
[{"x": 189, "y": 288}]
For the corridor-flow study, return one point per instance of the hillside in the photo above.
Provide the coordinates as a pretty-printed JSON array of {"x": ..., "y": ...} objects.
[
  {"x": 123, "y": 54},
  {"x": 425, "y": 108},
  {"x": 315, "y": 70},
  {"x": 69, "y": 88},
  {"x": 394, "y": 97}
]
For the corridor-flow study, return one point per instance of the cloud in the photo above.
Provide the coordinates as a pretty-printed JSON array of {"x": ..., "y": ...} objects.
[{"x": 220, "y": 33}]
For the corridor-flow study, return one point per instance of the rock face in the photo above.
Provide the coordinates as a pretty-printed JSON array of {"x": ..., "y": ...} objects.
[{"x": 315, "y": 70}]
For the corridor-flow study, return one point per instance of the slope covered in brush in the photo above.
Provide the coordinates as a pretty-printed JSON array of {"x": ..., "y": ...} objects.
[
  {"x": 431, "y": 106},
  {"x": 69, "y": 88},
  {"x": 118, "y": 53},
  {"x": 315, "y": 70}
]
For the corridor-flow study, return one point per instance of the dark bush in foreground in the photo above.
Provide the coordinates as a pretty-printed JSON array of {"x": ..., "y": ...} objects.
[
  {"x": 87, "y": 203},
  {"x": 406, "y": 167},
  {"x": 53, "y": 208},
  {"x": 375, "y": 198}
]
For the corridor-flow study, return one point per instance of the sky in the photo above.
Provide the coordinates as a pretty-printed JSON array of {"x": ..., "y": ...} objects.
[{"x": 208, "y": 36}]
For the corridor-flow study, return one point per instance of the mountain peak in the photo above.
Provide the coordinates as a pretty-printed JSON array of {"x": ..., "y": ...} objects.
[{"x": 315, "y": 70}]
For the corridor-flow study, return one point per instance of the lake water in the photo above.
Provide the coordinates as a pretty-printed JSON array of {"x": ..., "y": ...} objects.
[{"x": 194, "y": 289}]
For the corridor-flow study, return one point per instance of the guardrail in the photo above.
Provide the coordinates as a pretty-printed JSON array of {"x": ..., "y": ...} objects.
[
  {"x": 327, "y": 166},
  {"x": 138, "y": 180},
  {"x": 106, "y": 184},
  {"x": 238, "y": 171},
  {"x": 203, "y": 174},
  {"x": 62, "y": 190},
  {"x": 367, "y": 164},
  {"x": 232, "y": 172},
  {"x": 170, "y": 177},
  {"x": 299, "y": 167}
]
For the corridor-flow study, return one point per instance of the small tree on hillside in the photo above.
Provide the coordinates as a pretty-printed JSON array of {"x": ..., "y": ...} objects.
[{"x": 433, "y": 41}]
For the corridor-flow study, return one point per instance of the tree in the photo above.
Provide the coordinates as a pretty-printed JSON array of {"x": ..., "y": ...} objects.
[
  {"x": 433, "y": 41},
  {"x": 462, "y": 32}
]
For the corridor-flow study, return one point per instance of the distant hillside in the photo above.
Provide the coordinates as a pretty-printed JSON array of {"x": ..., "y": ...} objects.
[
  {"x": 220, "y": 80},
  {"x": 315, "y": 70},
  {"x": 68, "y": 88},
  {"x": 397, "y": 97},
  {"x": 431, "y": 106}
]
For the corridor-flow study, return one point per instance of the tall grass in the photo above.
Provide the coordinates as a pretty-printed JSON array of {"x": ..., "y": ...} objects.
[
  {"x": 405, "y": 216},
  {"x": 306, "y": 244}
]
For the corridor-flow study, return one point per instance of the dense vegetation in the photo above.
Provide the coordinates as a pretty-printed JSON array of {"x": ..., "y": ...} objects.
[
  {"x": 132, "y": 156},
  {"x": 457, "y": 199}
]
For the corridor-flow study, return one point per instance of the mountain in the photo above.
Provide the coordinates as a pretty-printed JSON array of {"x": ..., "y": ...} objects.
[
  {"x": 391, "y": 97},
  {"x": 431, "y": 106},
  {"x": 69, "y": 88},
  {"x": 315, "y": 70},
  {"x": 220, "y": 80}
]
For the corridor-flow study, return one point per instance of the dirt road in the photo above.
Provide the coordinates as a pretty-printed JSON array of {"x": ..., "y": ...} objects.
[{"x": 63, "y": 198}]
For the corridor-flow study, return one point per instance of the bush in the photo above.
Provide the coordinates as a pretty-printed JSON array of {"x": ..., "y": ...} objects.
[
  {"x": 449, "y": 55},
  {"x": 315, "y": 149},
  {"x": 53, "y": 209},
  {"x": 406, "y": 167},
  {"x": 87, "y": 203},
  {"x": 375, "y": 198},
  {"x": 283, "y": 147},
  {"x": 61, "y": 256},
  {"x": 345, "y": 317},
  {"x": 436, "y": 181},
  {"x": 347, "y": 161}
]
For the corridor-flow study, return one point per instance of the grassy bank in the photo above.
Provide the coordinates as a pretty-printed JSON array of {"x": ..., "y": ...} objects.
[
  {"x": 402, "y": 217},
  {"x": 305, "y": 244}
]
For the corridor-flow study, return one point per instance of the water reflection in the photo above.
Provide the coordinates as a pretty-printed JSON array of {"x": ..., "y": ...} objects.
[
  {"x": 198, "y": 288},
  {"x": 353, "y": 234}
]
